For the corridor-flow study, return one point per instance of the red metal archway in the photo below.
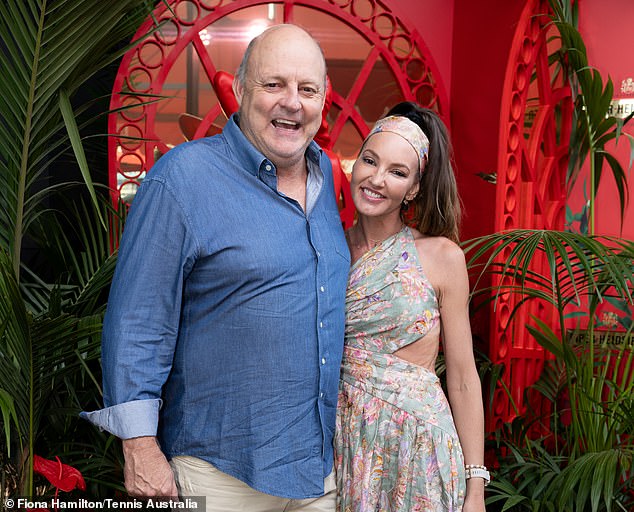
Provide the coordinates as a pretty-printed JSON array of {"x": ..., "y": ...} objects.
[
  {"x": 393, "y": 56},
  {"x": 535, "y": 128}
]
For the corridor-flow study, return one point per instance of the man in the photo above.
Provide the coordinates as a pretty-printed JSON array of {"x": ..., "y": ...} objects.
[{"x": 227, "y": 305}]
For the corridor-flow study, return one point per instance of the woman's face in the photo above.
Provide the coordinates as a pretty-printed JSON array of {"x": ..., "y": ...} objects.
[{"x": 384, "y": 174}]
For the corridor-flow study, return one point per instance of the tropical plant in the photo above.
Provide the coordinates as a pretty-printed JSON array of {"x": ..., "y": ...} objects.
[
  {"x": 50, "y": 341},
  {"x": 593, "y": 127},
  {"x": 574, "y": 451},
  {"x": 81, "y": 248},
  {"x": 583, "y": 458},
  {"x": 50, "y": 307}
]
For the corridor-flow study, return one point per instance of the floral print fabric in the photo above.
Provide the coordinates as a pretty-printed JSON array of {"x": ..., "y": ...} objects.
[{"x": 396, "y": 446}]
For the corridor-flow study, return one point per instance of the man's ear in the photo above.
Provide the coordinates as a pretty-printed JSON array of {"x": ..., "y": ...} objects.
[
  {"x": 238, "y": 89},
  {"x": 223, "y": 85}
]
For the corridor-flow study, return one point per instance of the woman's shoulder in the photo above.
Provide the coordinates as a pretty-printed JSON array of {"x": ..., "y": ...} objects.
[
  {"x": 438, "y": 247},
  {"x": 443, "y": 261}
]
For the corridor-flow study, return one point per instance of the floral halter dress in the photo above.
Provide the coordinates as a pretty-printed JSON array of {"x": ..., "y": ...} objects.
[{"x": 396, "y": 446}]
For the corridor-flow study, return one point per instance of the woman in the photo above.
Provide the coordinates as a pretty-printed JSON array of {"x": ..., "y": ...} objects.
[{"x": 398, "y": 446}]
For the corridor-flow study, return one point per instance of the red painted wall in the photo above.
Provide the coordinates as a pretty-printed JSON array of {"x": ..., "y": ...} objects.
[
  {"x": 469, "y": 44},
  {"x": 606, "y": 26},
  {"x": 483, "y": 32},
  {"x": 434, "y": 21}
]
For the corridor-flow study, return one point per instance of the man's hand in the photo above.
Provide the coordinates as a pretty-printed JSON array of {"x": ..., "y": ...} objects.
[{"x": 147, "y": 472}]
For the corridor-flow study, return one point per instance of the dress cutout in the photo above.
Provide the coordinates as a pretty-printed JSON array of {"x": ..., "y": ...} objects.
[{"x": 396, "y": 446}]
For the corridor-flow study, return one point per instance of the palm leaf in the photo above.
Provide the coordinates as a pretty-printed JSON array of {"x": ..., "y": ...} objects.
[
  {"x": 592, "y": 125},
  {"x": 580, "y": 266},
  {"x": 52, "y": 48},
  {"x": 591, "y": 478},
  {"x": 79, "y": 244},
  {"x": 9, "y": 416},
  {"x": 49, "y": 330},
  {"x": 35, "y": 355}
]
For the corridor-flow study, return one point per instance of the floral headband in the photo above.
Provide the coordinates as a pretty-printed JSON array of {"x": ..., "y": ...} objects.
[{"x": 407, "y": 129}]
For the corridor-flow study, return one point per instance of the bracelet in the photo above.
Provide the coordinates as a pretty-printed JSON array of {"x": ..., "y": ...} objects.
[
  {"x": 477, "y": 471},
  {"x": 475, "y": 466}
]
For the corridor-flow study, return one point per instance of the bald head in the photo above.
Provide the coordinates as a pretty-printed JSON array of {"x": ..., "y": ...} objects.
[{"x": 276, "y": 38}]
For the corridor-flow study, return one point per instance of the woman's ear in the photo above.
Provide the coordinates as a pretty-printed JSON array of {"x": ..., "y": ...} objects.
[{"x": 411, "y": 194}]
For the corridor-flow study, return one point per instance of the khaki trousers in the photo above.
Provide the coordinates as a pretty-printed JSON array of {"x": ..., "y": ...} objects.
[{"x": 224, "y": 493}]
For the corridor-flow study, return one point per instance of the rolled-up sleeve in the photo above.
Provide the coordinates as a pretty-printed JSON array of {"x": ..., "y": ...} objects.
[
  {"x": 131, "y": 419},
  {"x": 142, "y": 318}
]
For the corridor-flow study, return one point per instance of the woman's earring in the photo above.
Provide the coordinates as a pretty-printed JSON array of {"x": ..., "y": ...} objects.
[{"x": 405, "y": 205}]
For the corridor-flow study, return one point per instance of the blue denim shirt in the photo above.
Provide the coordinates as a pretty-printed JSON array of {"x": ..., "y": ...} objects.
[{"x": 224, "y": 327}]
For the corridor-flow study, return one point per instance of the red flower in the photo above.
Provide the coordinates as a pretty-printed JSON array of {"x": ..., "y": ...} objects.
[{"x": 61, "y": 476}]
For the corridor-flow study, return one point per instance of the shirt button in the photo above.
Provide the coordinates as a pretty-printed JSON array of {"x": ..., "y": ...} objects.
[
  {"x": 322, "y": 289},
  {"x": 321, "y": 395},
  {"x": 267, "y": 167},
  {"x": 321, "y": 324}
]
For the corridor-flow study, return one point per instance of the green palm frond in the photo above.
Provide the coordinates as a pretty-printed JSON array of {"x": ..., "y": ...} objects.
[
  {"x": 585, "y": 464},
  {"x": 50, "y": 319},
  {"x": 524, "y": 480},
  {"x": 80, "y": 245},
  {"x": 37, "y": 353},
  {"x": 579, "y": 265},
  {"x": 600, "y": 471},
  {"x": 50, "y": 335},
  {"x": 534, "y": 479},
  {"x": 51, "y": 48}
]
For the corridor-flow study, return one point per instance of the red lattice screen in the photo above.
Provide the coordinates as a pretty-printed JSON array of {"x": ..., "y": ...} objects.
[
  {"x": 392, "y": 64},
  {"x": 531, "y": 193}
]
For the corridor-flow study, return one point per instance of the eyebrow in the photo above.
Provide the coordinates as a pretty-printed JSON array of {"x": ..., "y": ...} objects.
[{"x": 395, "y": 164}]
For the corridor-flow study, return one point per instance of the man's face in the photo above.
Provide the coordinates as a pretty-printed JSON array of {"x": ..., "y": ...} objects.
[{"x": 283, "y": 95}]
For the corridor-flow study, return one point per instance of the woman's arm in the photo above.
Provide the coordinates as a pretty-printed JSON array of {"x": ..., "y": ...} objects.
[{"x": 463, "y": 382}]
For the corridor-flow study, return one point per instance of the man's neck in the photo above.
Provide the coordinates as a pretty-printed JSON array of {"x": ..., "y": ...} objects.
[{"x": 292, "y": 183}]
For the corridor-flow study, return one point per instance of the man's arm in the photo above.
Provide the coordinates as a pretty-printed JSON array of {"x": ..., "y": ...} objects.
[
  {"x": 147, "y": 472},
  {"x": 140, "y": 332}
]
